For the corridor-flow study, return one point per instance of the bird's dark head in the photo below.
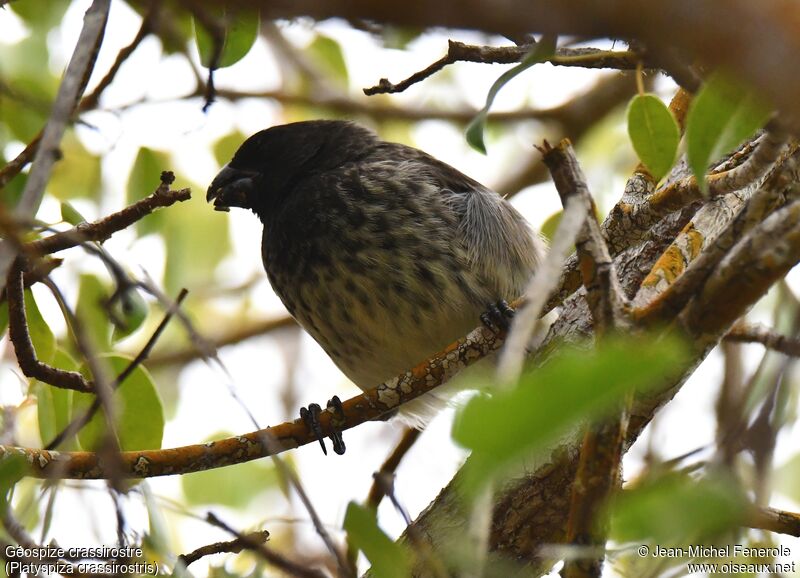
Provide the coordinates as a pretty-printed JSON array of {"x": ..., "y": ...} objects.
[{"x": 270, "y": 163}]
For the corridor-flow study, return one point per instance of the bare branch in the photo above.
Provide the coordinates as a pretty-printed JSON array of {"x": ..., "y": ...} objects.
[
  {"x": 246, "y": 542},
  {"x": 769, "y": 338},
  {"x": 368, "y": 406},
  {"x": 387, "y": 469},
  {"x": 774, "y": 520},
  {"x": 460, "y": 52},
  {"x": 268, "y": 554},
  {"x": 20, "y": 338},
  {"x": 147, "y": 26},
  {"x": 103, "y": 229}
]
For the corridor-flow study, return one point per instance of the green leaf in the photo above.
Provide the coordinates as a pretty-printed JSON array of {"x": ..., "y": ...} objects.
[
  {"x": 654, "y": 133},
  {"x": 12, "y": 469},
  {"x": 77, "y": 174},
  {"x": 91, "y": 310},
  {"x": 143, "y": 180},
  {"x": 235, "y": 486},
  {"x": 327, "y": 54},
  {"x": 70, "y": 214},
  {"x": 54, "y": 404},
  {"x": 239, "y": 33},
  {"x": 44, "y": 342},
  {"x": 676, "y": 509},
  {"x": 543, "y": 50},
  {"x": 556, "y": 398},
  {"x": 723, "y": 114},
  {"x": 130, "y": 311},
  {"x": 226, "y": 147},
  {"x": 388, "y": 558},
  {"x": 139, "y": 414}
]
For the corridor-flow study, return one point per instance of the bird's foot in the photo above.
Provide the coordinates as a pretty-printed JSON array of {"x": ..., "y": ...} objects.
[
  {"x": 310, "y": 417},
  {"x": 337, "y": 423},
  {"x": 498, "y": 316}
]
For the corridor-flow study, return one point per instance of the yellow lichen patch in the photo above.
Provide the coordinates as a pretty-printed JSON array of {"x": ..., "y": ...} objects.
[
  {"x": 625, "y": 208},
  {"x": 668, "y": 267},
  {"x": 695, "y": 240}
]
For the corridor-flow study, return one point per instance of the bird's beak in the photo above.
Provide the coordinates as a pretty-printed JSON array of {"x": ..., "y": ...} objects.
[{"x": 231, "y": 188}]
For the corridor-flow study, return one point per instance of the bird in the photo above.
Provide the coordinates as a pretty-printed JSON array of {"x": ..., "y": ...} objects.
[{"x": 382, "y": 253}]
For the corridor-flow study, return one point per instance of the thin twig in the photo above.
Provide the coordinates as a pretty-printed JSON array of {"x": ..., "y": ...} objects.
[
  {"x": 387, "y": 469},
  {"x": 20, "y": 338},
  {"x": 769, "y": 338},
  {"x": 268, "y": 554},
  {"x": 108, "y": 447},
  {"x": 599, "y": 464},
  {"x": 102, "y": 229},
  {"x": 460, "y": 52},
  {"x": 231, "y": 547}
]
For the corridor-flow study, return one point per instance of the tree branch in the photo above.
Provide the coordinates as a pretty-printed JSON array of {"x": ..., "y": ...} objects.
[
  {"x": 246, "y": 542},
  {"x": 460, "y": 52},
  {"x": 769, "y": 338},
  {"x": 368, "y": 406}
]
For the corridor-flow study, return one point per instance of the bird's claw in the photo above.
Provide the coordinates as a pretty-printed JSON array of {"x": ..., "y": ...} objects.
[
  {"x": 310, "y": 417},
  {"x": 337, "y": 423},
  {"x": 498, "y": 316}
]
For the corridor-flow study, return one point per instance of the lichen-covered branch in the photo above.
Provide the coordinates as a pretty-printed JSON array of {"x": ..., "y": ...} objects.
[{"x": 365, "y": 407}]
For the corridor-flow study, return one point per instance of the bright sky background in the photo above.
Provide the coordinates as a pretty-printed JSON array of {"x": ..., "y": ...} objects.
[{"x": 257, "y": 366}]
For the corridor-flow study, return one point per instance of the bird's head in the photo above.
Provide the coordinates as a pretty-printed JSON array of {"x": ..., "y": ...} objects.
[{"x": 270, "y": 163}]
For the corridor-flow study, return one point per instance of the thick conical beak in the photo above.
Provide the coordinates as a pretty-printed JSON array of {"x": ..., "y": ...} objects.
[{"x": 231, "y": 188}]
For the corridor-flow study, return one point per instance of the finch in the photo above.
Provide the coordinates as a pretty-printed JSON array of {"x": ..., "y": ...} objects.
[{"x": 384, "y": 254}]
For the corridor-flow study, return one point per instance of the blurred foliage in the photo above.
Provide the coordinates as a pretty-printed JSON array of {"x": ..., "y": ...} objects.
[
  {"x": 574, "y": 387},
  {"x": 675, "y": 509},
  {"x": 388, "y": 558}
]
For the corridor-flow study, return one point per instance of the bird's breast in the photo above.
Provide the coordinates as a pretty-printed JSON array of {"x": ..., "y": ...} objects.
[{"x": 378, "y": 294}]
